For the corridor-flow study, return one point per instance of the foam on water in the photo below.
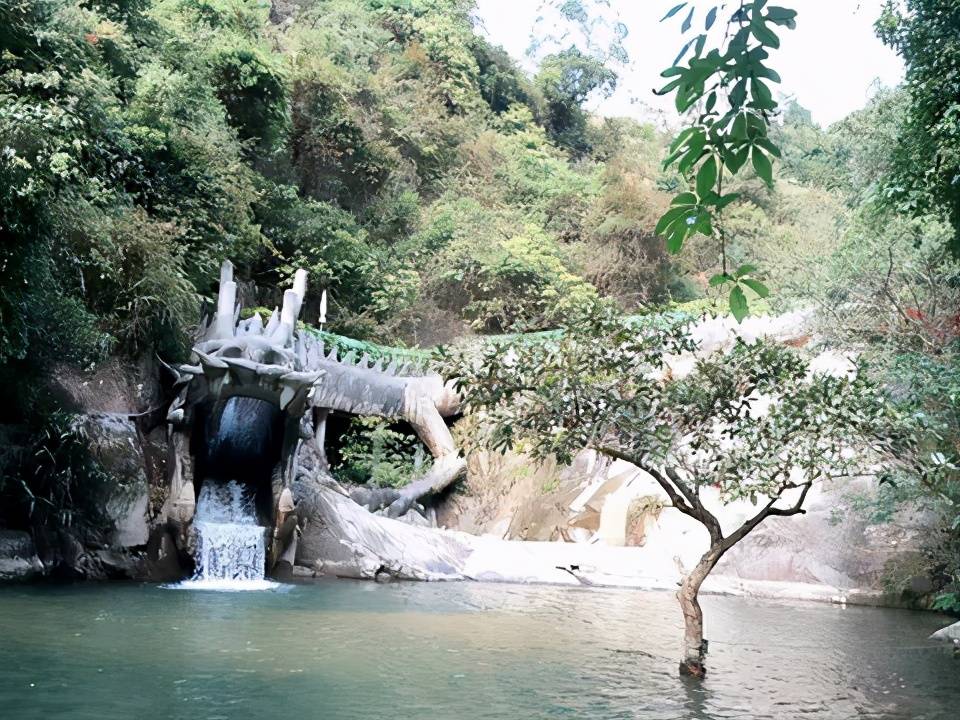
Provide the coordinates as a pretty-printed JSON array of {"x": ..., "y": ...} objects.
[
  {"x": 225, "y": 585},
  {"x": 231, "y": 547}
]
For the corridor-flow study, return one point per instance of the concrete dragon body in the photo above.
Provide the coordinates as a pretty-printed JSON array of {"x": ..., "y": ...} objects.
[{"x": 292, "y": 368}]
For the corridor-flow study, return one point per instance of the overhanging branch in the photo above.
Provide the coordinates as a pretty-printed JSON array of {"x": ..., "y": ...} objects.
[{"x": 675, "y": 498}]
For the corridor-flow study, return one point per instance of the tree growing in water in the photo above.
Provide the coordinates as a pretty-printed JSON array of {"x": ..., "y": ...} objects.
[{"x": 753, "y": 423}]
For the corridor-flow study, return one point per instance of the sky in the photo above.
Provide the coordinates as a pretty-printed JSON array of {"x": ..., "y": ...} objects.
[{"x": 831, "y": 63}]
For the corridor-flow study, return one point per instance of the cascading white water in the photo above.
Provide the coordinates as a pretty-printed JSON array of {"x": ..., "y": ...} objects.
[
  {"x": 230, "y": 544},
  {"x": 231, "y": 547}
]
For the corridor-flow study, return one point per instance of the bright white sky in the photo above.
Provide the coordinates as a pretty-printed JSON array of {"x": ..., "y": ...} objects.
[{"x": 831, "y": 63}]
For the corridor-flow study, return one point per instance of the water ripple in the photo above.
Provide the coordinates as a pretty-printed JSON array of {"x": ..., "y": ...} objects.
[{"x": 354, "y": 651}]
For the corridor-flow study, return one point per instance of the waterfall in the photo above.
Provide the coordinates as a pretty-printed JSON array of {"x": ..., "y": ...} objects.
[{"x": 231, "y": 547}]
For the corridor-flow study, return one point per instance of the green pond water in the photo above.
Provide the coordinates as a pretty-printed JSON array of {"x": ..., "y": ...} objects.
[{"x": 344, "y": 650}]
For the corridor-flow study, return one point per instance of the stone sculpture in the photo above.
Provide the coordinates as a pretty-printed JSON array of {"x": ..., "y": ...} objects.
[{"x": 289, "y": 367}]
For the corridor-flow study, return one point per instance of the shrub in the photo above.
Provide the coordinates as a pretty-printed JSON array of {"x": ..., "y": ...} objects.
[
  {"x": 49, "y": 480},
  {"x": 520, "y": 283},
  {"x": 252, "y": 90},
  {"x": 373, "y": 452}
]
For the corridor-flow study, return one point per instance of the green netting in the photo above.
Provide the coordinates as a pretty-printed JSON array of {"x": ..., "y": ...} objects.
[
  {"x": 422, "y": 356},
  {"x": 346, "y": 345}
]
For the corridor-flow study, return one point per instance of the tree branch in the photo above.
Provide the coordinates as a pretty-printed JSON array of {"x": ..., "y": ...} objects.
[
  {"x": 681, "y": 496},
  {"x": 700, "y": 513},
  {"x": 675, "y": 498},
  {"x": 767, "y": 510}
]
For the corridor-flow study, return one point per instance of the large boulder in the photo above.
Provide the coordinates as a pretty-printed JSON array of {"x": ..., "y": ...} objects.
[
  {"x": 18, "y": 557},
  {"x": 615, "y": 504},
  {"x": 832, "y": 544},
  {"x": 114, "y": 386},
  {"x": 120, "y": 407},
  {"x": 512, "y": 497}
]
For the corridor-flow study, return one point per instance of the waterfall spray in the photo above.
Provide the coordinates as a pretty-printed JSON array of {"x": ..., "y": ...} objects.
[{"x": 231, "y": 546}]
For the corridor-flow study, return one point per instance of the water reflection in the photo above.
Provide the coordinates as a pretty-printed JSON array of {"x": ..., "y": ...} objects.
[{"x": 344, "y": 650}]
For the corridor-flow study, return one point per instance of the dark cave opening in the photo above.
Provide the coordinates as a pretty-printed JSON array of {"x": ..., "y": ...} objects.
[{"x": 240, "y": 439}]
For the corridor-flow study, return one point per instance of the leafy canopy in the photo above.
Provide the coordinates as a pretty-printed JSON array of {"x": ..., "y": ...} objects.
[
  {"x": 753, "y": 421},
  {"x": 925, "y": 174}
]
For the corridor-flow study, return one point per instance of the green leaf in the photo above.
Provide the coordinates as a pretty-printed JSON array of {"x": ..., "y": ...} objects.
[
  {"x": 782, "y": 16},
  {"x": 711, "y": 102},
  {"x": 685, "y": 198},
  {"x": 707, "y": 176},
  {"x": 682, "y": 137},
  {"x": 683, "y": 50},
  {"x": 711, "y": 18},
  {"x": 669, "y": 217},
  {"x": 698, "y": 48},
  {"x": 678, "y": 233},
  {"x": 758, "y": 287},
  {"x": 673, "y": 11},
  {"x": 767, "y": 145},
  {"x": 710, "y": 198},
  {"x": 720, "y": 279},
  {"x": 764, "y": 72},
  {"x": 696, "y": 137},
  {"x": 670, "y": 86},
  {"x": 739, "y": 129},
  {"x": 756, "y": 125},
  {"x": 703, "y": 224},
  {"x": 692, "y": 156},
  {"x": 763, "y": 34},
  {"x": 736, "y": 159},
  {"x": 688, "y": 21},
  {"x": 722, "y": 202},
  {"x": 688, "y": 161},
  {"x": 744, "y": 269},
  {"x": 738, "y": 45},
  {"x": 762, "y": 97},
  {"x": 672, "y": 157},
  {"x": 738, "y": 304},
  {"x": 762, "y": 166},
  {"x": 738, "y": 95}
]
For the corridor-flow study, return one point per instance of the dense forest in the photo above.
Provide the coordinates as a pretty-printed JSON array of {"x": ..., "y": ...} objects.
[{"x": 432, "y": 186}]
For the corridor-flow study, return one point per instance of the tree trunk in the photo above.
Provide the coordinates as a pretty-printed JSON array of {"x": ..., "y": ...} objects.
[{"x": 694, "y": 646}]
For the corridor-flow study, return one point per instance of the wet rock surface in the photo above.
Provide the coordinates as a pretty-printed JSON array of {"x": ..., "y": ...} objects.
[
  {"x": 341, "y": 538},
  {"x": 115, "y": 444}
]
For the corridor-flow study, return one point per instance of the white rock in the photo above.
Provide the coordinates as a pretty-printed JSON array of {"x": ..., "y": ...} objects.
[{"x": 951, "y": 633}]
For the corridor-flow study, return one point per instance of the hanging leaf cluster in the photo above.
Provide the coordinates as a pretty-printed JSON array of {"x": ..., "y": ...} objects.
[{"x": 727, "y": 92}]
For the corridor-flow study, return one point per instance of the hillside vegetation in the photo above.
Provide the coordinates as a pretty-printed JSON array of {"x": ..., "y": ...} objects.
[{"x": 423, "y": 179}]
